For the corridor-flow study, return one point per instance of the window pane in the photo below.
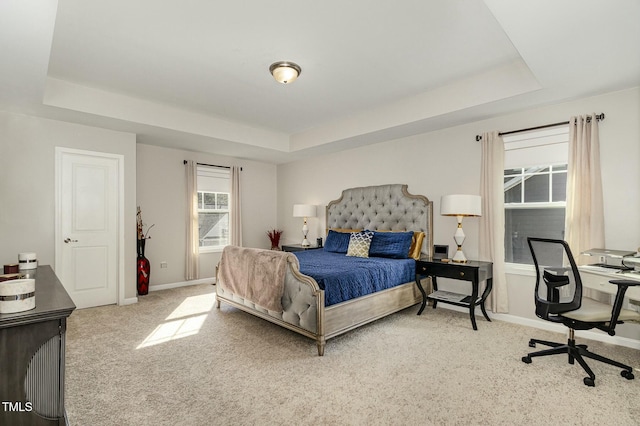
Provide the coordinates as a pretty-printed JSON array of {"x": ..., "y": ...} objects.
[
  {"x": 223, "y": 201},
  {"x": 536, "y": 189},
  {"x": 513, "y": 194},
  {"x": 213, "y": 229},
  {"x": 523, "y": 223},
  {"x": 209, "y": 200},
  {"x": 559, "y": 187},
  {"x": 560, "y": 167},
  {"x": 509, "y": 172},
  {"x": 537, "y": 169},
  {"x": 200, "y": 195}
]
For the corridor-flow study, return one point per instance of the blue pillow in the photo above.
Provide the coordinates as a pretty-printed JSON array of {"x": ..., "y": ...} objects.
[
  {"x": 337, "y": 242},
  {"x": 394, "y": 245}
]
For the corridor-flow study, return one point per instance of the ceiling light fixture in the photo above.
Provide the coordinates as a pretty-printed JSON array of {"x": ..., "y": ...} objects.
[{"x": 284, "y": 71}]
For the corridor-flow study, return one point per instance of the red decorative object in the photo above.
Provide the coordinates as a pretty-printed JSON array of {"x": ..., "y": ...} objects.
[
  {"x": 274, "y": 237},
  {"x": 144, "y": 270}
]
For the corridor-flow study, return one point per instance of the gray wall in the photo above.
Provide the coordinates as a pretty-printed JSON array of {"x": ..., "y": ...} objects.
[
  {"x": 154, "y": 180},
  {"x": 448, "y": 162},
  {"x": 161, "y": 194},
  {"x": 437, "y": 163},
  {"x": 27, "y": 193}
]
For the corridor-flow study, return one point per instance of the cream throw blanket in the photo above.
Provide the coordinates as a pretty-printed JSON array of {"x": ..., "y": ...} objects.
[{"x": 255, "y": 274}]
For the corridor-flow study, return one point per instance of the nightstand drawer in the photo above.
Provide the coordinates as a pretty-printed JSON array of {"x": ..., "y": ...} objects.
[{"x": 446, "y": 270}]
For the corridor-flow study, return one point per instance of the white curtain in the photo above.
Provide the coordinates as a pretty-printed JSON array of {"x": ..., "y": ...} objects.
[
  {"x": 236, "y": 208},
  {"x": 193, "y": 241},
  {"x": 492, "y": 220},
  {"x": 584, "y": 225}
]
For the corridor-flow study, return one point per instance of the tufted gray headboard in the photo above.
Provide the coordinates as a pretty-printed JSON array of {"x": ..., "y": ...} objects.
[{"x": 383, "y": 208}]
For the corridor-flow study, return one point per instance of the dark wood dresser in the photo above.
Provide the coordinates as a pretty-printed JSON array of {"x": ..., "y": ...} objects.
[{"x": 32, "y": 356}]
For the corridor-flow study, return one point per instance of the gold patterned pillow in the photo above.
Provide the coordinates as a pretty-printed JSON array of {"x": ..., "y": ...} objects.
[{"x": 359, "y": 244}]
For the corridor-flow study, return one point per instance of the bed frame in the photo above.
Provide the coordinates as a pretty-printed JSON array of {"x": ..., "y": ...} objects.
[{"x": 384, "y": 208}]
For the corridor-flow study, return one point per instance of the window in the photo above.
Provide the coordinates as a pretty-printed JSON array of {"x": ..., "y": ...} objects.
[
  {"x": 213, "y": 219},
  {"x": 535, "y": 181},
  {"x": 213, "y": 208}
]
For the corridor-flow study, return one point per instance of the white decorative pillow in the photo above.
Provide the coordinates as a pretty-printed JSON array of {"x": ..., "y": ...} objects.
[{"x": 359, "y": 244}]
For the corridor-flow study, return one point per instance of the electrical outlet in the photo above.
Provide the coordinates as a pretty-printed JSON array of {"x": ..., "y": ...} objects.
[{"x": 163, "y": 264}]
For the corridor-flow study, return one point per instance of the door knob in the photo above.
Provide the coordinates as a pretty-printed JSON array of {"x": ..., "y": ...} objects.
[{"x": 69, "y": 240}]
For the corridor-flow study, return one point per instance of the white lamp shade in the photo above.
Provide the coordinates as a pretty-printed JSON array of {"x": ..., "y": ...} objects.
[
  {"x": 461, "y": 205},
  {"x": 304, "y": 210}
]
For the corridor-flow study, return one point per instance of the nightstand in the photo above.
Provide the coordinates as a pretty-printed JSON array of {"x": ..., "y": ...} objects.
[
  {"x": 298, "y": 247},
  {"x": 472, "y": 271}
]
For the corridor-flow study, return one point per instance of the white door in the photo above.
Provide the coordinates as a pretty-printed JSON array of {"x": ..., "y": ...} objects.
[{"x": 87, "y": 228}]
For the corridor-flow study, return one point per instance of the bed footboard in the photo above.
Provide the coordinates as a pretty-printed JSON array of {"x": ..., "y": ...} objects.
[{"x": 302, "y": 303}]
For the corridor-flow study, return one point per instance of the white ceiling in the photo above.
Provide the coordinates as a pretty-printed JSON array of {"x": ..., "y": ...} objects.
[{"x": 194, "y": 74}]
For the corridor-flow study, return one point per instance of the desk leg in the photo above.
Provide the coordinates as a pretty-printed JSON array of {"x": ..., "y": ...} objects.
[{"x": 424, "y": 294}]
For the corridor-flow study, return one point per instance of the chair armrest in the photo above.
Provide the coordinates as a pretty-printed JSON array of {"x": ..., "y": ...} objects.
[
  {"x": 554, "y": 281},
  {"x": 623, "y": 285},
  {"x": 626, "y": 283}
]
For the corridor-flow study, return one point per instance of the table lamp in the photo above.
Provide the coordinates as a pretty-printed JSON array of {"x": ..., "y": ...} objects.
[
  {"x": 305, "y": 211},
  {"x": 460, "y": 205}
]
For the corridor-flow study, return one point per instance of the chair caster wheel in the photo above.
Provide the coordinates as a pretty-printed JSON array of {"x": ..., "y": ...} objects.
[
  {"x": 627, "y": 374},
  {"x": 532, "y": 344},
  {"x": 589, "y": 381},
  {"x": 526, "y": 359}
]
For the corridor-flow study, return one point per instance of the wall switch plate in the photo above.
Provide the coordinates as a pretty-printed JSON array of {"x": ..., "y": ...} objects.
[{"x": 163, "y": 264}]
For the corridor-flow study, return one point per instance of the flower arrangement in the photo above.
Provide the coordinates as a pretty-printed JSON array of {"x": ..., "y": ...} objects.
[
  {"x": 141, "y": 234},
  {"x": 274, "y": 237}
]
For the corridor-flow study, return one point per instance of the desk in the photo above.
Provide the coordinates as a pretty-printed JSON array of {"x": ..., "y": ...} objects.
[
  {"x": 473, "y": 271},
  {"x": 597, "y": 278}
]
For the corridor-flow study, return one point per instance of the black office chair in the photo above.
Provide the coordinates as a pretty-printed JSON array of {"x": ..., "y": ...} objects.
[{"x": 558, "y": 298}]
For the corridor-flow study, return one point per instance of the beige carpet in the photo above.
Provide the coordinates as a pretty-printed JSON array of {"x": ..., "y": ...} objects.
[{"x": 175, "y": 359}]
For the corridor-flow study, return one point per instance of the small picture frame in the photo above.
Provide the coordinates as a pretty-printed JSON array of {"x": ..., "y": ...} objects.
[{"x": 440, "y": 252}]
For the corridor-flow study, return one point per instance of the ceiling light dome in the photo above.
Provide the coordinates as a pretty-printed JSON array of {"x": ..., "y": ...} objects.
[{"x": 284, "y": 71}]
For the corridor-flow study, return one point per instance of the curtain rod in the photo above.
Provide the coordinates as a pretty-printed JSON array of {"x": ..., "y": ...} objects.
[
  {"x": 211, "y": 165},
  {"x": 599, "y": 117}
]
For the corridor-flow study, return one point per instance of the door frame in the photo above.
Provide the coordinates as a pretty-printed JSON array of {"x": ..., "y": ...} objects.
[{"x": 58, "y": 238}]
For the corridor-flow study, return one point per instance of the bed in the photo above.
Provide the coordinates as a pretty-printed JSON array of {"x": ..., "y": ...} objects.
[{"x": 301, "y": 303}]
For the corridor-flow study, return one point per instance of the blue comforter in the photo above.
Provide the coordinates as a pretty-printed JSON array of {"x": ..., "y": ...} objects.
[{"x": 343, "y": 277}]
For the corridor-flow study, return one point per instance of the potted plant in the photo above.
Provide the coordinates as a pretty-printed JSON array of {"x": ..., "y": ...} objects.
[{"x": 274, "y": 237}]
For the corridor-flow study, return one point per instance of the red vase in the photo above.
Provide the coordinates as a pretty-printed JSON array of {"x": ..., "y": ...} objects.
[{"x": 144, "y": 270}]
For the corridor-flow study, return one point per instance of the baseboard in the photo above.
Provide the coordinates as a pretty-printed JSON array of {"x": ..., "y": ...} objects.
[
  {"x": 158, "y": 287},
  {"x": 129, "y": 301},
  {"x": 133, "y": 300},
  {"x": 548, "y": 326}
]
